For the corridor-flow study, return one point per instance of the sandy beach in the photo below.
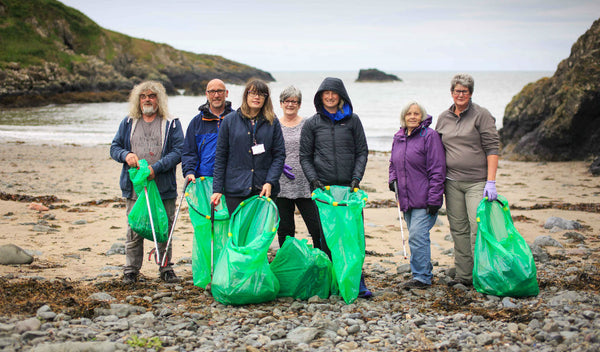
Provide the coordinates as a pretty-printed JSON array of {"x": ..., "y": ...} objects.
[{"x": 71, "y": 239}]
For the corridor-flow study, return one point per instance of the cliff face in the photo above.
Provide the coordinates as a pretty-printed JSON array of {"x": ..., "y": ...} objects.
[
  {"x": 52, "y": 53},
  {"x": 558, "y": 118}
]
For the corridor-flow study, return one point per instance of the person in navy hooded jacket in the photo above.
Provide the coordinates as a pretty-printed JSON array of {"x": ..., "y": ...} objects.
[
  {"x": 200, "y": 143},
  {"x": 333, "y": 146},
  {"x": 417, "y": 171}
]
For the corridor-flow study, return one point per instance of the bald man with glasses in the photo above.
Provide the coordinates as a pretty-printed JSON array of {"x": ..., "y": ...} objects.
[{"x": 200, "y": 143}]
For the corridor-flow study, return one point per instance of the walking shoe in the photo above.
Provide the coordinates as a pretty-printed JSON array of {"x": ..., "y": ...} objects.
[
  {"x": 130, "y": 278},
  {"x": 463, "y": 282},
  {"x": 169, "y": 277},
  {"x": 363, "y": 291},
  {"x": 414, "y": 283}
]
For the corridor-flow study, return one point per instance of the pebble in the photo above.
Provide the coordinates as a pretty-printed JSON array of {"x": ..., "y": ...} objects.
[
  {"x": 438, "y": 318},
  {"x": 12, "y": 254},
  {"x": 564, "y": 224}
]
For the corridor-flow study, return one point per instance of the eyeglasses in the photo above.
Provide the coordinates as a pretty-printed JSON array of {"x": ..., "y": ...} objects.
[
  {"x": 459, "y": 92},
  {"x": 257, "y": 94},
  {"x": 217, "y": 91},
  {"x": 293, "y": 102},
  {"x": 149, "y": 96}
]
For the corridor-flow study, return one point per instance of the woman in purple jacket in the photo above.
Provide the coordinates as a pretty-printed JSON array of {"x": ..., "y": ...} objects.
[{"x": 418, "y": 171}]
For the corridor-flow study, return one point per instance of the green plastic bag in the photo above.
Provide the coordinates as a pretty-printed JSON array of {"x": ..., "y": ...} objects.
[
  {"x": 340, "y": 210},
  {"x": 302, "y": 271},
  {"x": 503, "y": 264},
  {"x": 206, "y": 233},
  {"x": 138, "y": 218},
  {"x": 242, "y": 273}
]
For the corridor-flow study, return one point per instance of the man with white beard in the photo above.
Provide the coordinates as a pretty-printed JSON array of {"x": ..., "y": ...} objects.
[{"x": 148, "y": 133}]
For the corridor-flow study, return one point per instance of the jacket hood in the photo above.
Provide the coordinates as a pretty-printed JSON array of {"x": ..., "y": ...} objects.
[
  {"x": 423, "y": 125},
  {"x": 205, "y": 108},
  {"x": 335, "y": 85}
]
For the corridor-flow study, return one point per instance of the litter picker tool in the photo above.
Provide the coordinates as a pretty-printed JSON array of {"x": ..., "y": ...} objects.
[
  {"x": 156, "y": 254},
  {"x": 212, "y": 237},
  {"x": 400, "y": 218},
  {"x": 165, "y": 258}
]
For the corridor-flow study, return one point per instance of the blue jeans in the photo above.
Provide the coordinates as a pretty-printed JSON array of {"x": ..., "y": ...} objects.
[{"x": 419, "y": 223}]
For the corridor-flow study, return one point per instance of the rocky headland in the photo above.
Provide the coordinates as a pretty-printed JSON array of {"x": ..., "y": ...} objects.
[
  {"x": 558, "y": 118},
  {"x": 375, "y": 75},
  {"x": 52, "y": 53}
]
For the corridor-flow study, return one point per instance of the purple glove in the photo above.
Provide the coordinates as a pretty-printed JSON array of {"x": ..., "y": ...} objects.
[
  {"x": 287, "y": 171},
  {"x": 490, "y": 191}
]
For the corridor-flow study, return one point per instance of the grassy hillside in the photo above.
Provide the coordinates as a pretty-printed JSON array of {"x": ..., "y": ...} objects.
[
  {"x": 34, "y": 31},
  {"x": 49, "y": 48}
]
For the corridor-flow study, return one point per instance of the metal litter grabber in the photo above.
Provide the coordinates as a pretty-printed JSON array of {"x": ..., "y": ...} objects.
[
  {"x": 400, "y": 218},
  {"x": 212, "y": 238},
  {"x": 156, "y": 254},
  {"x": 165, "y": 258}
]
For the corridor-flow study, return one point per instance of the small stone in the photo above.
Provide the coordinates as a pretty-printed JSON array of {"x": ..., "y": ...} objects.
[
  {"x": 403, "y": 268},
  {"x": 546, "y": 241},
  {"x": 11, "y": 254}
]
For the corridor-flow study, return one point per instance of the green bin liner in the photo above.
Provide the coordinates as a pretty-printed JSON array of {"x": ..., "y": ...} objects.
[
  {"x": 503, "y": 263},
  {"x": 340, "y": 210},
  {"x": 302, "y": 271},
  {"x": 242, "y": 273},
  {"x": 138, "y": 217},
  {"x": 206, "y": 233}
]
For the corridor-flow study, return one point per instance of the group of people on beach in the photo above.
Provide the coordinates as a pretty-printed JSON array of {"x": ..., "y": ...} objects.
[{"x": 250, "y": 151}]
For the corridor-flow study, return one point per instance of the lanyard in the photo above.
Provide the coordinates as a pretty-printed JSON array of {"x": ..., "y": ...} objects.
[{"x": 254, "y": 123}]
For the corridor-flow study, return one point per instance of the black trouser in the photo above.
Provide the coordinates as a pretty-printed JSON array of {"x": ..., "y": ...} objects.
[
  {"x": 233, "y": 202},
  {"x": 310, "y": 215}
]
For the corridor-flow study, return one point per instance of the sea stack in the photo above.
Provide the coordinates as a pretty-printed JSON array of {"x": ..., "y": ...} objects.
[{"x": 374, "y": 75}]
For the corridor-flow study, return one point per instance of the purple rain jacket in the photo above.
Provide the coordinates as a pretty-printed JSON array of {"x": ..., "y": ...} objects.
[{"x": 418, "y": 163}]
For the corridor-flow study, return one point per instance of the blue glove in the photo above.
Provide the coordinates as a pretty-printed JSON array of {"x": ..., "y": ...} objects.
[
  {"x": 287, "y": 171},
  {"x": 490, "y": 191}
]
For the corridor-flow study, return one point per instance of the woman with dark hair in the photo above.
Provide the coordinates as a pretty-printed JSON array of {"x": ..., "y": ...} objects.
[
  {"x": 333, "y": 145},
  {"x": 250, "y": 150}
]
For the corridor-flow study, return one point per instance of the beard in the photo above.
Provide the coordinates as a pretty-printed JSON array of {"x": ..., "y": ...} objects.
[{"x": 148, "y": 110}]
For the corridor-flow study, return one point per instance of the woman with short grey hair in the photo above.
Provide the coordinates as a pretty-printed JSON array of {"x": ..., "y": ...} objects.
[
  {"x": 295, "y": 189},
  {"x": 416, "y": 174},
  {"x": 472, "y": 144}
]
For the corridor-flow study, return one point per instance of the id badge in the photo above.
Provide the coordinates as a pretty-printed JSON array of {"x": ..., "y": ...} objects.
[{"x": 258, "y": 149}]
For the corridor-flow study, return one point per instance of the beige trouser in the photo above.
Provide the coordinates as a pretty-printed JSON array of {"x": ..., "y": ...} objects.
[
  {"x": 134, "y": 245},
  {"x": 462, "y": 199}
]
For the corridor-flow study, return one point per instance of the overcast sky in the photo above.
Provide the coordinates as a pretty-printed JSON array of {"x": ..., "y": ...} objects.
[{"x": 280, "y": 35}]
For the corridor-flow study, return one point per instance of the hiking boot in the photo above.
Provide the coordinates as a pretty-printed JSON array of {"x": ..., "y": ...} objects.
[
  {"x": 414, "y": 283},
  {"x": 363, "y": 291},
  {"x": 130, "y": 278},
  {"x": 463, "y": 282},
  {"x": 169, "y": 277}
]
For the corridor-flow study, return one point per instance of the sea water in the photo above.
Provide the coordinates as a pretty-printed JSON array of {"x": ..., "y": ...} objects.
[{"x": 377, "y": 104}]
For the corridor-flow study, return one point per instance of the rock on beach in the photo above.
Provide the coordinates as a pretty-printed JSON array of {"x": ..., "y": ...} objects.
[{"x": 11, "y": 254}]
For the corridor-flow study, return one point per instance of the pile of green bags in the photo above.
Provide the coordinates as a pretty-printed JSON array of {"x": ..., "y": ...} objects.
[
  {"x": 210, "y": 229},
  {"x": 503, "y": 263},
  {"x": 302, "y": 271}
]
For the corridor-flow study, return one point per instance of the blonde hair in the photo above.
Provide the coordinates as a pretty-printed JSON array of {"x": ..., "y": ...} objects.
[
  {"x": 267, "y": 109},
  {"x": 155, "y": 87}
]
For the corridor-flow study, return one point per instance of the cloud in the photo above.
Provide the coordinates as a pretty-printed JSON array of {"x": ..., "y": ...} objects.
[{"x": 353, "y": 34}]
